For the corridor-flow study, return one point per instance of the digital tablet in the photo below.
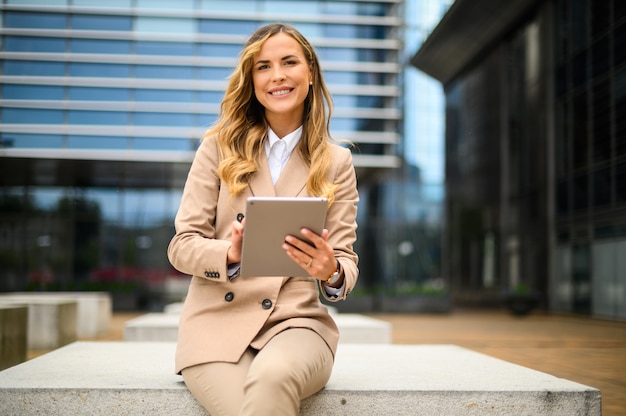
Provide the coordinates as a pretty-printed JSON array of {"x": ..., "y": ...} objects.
[{"x": 268, "y": 221}]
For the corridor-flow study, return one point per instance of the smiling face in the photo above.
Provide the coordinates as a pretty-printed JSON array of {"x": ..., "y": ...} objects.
[{"x": 281, "y": 77}]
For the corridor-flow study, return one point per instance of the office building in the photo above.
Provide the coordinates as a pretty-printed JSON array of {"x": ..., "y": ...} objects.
[
  {"x": 535, "y": 151},
  {"x": 103, "y": 103}
]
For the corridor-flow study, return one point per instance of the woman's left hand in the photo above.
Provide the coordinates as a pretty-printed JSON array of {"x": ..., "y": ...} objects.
[{"x": 317, "y": 259}]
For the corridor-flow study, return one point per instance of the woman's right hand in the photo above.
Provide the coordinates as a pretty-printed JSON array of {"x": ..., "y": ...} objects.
[{"x": 236, "y": 237}]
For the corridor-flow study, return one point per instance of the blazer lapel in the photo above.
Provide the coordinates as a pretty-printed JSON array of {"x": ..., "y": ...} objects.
[
  {"x": 292, "y": 180},
  {"x": 261, "y": 182}
]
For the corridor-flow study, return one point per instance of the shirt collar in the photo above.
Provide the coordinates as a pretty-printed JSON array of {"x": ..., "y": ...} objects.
[{"x": 291, "y": 140}]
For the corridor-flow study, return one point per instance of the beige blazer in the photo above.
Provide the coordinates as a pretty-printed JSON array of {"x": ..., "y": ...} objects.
[{"x": 222, "y": 318}]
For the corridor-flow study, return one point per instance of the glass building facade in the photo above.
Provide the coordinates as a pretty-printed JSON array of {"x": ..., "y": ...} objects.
[
  {"x": 103, "y": 103},
  {"x": 535, "y": 152}
]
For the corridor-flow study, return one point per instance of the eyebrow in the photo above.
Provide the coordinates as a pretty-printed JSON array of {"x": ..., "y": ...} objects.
[{"x": 284, "y": 58}]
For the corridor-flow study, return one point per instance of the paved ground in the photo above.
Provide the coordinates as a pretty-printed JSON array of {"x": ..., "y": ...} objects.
[{"x": 584, "y": 350}]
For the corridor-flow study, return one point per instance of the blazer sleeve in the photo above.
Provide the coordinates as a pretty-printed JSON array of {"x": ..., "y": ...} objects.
[
  {"x": 194, "y": 249},
  {"x": 341, "y": 221}
]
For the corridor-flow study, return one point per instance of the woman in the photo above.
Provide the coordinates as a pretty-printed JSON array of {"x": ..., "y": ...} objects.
[{"x": 260, "y": 345}]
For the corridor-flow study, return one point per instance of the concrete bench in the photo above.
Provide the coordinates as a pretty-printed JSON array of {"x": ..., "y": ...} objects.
[
  {"x": 13, "y": 335},
  {"x": 354, "y": 328},
  {"x": 93, "y": 314},
  {"x": 51, "y": 321},
  {"x": 137, "y": 378}
]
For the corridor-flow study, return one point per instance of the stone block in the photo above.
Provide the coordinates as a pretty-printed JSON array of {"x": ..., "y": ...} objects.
[
  {"x": 353, "y": 328},
  {"x": 137, "y": 378},
  {"x": 13, "y": 335},
  {"x": 51, "y": 322},
  {"x": 94, "y": 309}
]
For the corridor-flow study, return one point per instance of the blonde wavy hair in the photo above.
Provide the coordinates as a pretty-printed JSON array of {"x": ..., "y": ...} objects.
[{"x": 241, "y": 126}]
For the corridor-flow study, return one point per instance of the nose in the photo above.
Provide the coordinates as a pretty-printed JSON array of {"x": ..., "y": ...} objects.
[{"x": 278, "y": 74}]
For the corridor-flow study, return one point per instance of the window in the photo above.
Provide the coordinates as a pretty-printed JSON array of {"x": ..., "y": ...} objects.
[
  {"x": 166, "y": 25},
  {"x": 89, "y": 22},
  {"x": 219, "y": 50},
  {"x": 31, "y": 116},
  {"x": 33, "y": 44},
  {"x": 164, "y": 48},
  {"x": 19, "y": 140},
  {"x": 96, "y": 142},
  {"x": 99, "y": 46},
  {"x": 99, "y": 94},
  {"x": 164, "y": 119},
  {"x": 35, "y": 20},
  {"x": 32, "y": 92},
  {"x": 98, "y": 117},
  {"x": 164, "y": 95},
  {"x": 227, "y": 27},
  {"x": 80, "y": 69},
  {"x": 34, "y": 68},
  {"x": 164, "y": 71}
]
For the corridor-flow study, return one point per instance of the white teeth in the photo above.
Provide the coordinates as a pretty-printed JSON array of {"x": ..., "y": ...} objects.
[{"x": 281, "y": 92}]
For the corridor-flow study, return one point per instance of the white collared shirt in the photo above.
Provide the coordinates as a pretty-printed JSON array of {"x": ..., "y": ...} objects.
[{"x": 279, "y": 150}]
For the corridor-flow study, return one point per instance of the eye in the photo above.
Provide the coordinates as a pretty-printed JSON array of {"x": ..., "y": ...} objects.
[{"x": 288, "y": 63}]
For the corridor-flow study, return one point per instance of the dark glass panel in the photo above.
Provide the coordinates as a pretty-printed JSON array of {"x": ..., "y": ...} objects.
[
  {"x": 163, "y": 144},
  {"x": 620, "y": 182},
  {"x": 602, "y": 187},
  {"x": 186, "y": 96},
  {"x": 34, "y": 68},
  {"x": 619, "y": 40},
  {"x": 145, "y": 47},
  {"x": 100, "y": 46},
  {"x": 579, "y": 23},
  {"x": 99, "y": 94},
  {"x": 35, "y": 20},
  {"x": 215, "y": 74},
  {"x": 581, "y": 192},
  {"x": 164, "y": 71},
  {"x": 562, "y": 197},
  {"x": 164, "y": 119},
  {"x": 81, "y": 69},
  {"x": 560, "y": 81},
  {"x": 32, "y": 92},
  {"x": 33, "y": 44},
  {"x": 580, "y": 72},
  {"x": 620, "y": 112},
  {"x": 602, "y": 121},
  {"x": 600, "y": 57},
  {"x": 31, "y": 116},
  {"x": 89, "y": 22},
  {"x": 96, "y": 142},
  {"x": 98, "y": 117},
  {"x": 211, "y": 97},
  {"x": 21, "y": 140},
  {"x": 580, "y": 131},
  {"x": 227, "y": 27},
  {"x": 219, "y": 50},
  {"x": 600, "y": 16}
]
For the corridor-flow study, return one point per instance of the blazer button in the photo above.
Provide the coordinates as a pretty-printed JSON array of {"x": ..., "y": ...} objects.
[
  {"x": 229, "y": 296},
  {"x": 266, "y": 304}
]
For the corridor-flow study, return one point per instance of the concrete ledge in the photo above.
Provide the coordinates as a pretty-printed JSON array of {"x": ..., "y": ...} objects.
[
  {"x": 354, "y": 328},
  {"x": 136, "y": 378},
  {"x": 94, "y": 309}
]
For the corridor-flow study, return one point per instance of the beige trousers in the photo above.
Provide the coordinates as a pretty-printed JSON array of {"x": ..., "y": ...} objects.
[{"x": 294, "y": 365}]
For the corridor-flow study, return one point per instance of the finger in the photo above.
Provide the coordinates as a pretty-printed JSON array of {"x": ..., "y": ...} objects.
[
  {"x": 314, "y": 238},
  {"x": 300, "y": 245}
]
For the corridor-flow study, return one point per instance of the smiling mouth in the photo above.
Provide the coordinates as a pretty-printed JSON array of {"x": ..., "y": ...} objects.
[{"x": 280, "y": 92}]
